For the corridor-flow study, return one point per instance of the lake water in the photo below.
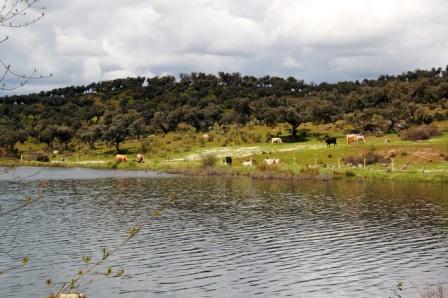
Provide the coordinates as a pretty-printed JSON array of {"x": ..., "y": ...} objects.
[{"x": 221, "y": 237}]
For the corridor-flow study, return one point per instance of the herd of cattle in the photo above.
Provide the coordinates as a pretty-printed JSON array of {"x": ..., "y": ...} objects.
[
  {"x": 123, "y": 158},
  {"x": 270, "y": 162}
]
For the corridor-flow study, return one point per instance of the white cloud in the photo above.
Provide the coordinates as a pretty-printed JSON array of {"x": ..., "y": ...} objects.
[{"x": 320, "y": 40}]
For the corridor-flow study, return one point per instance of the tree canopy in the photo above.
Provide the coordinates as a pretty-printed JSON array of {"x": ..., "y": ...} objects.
[{"x": 134, "y": 107}]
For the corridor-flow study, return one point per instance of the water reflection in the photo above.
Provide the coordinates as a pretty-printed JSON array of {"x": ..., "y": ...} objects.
[{"x": 232, "y": 237}]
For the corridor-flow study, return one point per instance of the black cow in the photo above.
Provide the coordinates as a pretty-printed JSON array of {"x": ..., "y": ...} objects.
[
  {"x": 228, "y": 160},
  {"x": 330, "y": 140}
]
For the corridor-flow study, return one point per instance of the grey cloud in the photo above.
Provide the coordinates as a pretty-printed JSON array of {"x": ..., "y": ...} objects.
[{"x": 316, "y": 40}]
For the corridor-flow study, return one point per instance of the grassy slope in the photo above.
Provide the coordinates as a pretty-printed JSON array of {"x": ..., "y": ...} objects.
[{"x": 423, "y": 160}]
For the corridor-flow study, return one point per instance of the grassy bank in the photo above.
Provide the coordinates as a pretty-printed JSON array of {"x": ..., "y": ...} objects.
[{"x": 310, "y": 158}]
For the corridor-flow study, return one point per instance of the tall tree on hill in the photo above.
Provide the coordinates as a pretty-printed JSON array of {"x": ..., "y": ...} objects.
[
  {"x": 10, "y": 136},
  {"x": 117, "y": 128}
]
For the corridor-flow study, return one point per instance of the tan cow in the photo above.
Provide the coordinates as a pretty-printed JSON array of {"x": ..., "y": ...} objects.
[
  {"x": 140, "y": 158},
  {"x": 360, "y": 138},
  {"x": 355, "y": 138},
  {"x": 121, "y": 158},
  {"x": 272, "y": 161},
  {"x": 350, "y": 138}
]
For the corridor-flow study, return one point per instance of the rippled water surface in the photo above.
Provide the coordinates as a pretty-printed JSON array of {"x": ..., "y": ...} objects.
[{"x": 221, "y": 237}]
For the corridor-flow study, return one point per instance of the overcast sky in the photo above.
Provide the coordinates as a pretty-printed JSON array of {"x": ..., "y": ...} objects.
[{"x": 83, "y": 41}]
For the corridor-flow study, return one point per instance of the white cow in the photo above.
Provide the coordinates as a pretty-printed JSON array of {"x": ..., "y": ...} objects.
[
  {"x": 248, "y": 163},
  {"x": 276, "y": 140},
  {"x": 272, "y": 161},
  {"x": 140, "y": 158}
]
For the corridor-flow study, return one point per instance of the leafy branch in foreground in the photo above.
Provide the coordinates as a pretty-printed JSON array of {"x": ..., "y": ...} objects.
[
  {"x": 7, "y": 250},
  {"x": 92, "y": 267}
]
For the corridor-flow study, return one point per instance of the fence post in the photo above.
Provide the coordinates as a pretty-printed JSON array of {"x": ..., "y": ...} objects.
[
  {"x": 339, "y": 163},
  {"x": 392, "y": 164},
  {"x": 21, "y": 157},
  {"x": 365, "y": 163},
  {"x": 77, "y": 157}
]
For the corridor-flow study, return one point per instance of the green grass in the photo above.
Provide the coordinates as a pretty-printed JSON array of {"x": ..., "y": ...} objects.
[{"x": 182, "y": 151}]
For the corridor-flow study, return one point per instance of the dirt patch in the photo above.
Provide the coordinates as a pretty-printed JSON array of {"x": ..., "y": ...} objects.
[{"x": 428, "y": 154}]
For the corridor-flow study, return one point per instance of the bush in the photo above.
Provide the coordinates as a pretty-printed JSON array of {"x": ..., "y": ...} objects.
[
  {"x": 371, "y": 158},
  {"x": 42, "y": 157},
  {"x": 144, "y": 146},
  {"x": 209, "y": 160},
  {"x": 422, "y": 132}
]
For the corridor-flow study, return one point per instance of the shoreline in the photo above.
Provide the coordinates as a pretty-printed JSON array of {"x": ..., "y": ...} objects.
[{"x": 299, "y": 174}]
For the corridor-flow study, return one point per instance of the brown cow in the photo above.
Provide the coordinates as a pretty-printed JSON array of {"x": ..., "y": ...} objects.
[{"x": 121, "y": 158}]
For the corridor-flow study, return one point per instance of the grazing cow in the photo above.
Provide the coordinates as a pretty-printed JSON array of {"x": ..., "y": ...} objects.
[
  {"x": 276, "y": 141},
  {"x": 355, "y": 138},
  {"x": 272, "y": 161},
  {"x": 228, "y": 160},
  {"x": 205, "y": 136},
  {"x": 350, "y": 138},
  {"x": 121, "y": 158},
  {"x": 248, "y": 163},
  {"x": 55, "y": 152},
  {"x": 360, "y": 138},
  {"x": 330, "y": 140},
  {"x": 140, "y": 158},
  {"x": 71, "y": 295}
]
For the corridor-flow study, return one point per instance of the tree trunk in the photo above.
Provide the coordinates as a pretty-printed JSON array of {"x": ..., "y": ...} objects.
[
  {"x": 117, "y": 146},
  {"x": 294, "y": 131}
]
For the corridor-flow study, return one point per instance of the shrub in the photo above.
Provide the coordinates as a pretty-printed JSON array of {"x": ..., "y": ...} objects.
[
  {"x": 144, "y": 146},
  {"x": 422, "y": 132},
  {"x": 209, "y": 160},
  {"x": 42, "y": 157},
  {"x": 350, "y": 174},
  {"x": 310, "y": 171},
  {"x": 371, "y": 158}
]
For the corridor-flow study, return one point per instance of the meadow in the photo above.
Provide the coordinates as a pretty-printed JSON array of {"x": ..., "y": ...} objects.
[{"x": 185, "y": 151}]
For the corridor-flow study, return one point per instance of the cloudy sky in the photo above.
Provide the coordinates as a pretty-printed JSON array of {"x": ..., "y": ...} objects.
[{"x": 83, "y": 41}]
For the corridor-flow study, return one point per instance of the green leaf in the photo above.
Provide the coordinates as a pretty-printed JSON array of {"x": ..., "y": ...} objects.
[
  {"x": 25, "y": 260},
  {"x": 87, "y": 259},
  {"x": 106, "y": 254},
  {"x": 119, "y": 273},
  {"x": 132, "y": 231},
  {"x": 109, "y": 271}
]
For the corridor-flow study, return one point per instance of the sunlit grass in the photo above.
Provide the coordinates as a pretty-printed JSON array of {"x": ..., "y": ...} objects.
[{"x": 421, "y": 160}]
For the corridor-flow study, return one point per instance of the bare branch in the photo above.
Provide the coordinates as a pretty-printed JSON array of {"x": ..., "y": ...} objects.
[{"x": 18, "y": 14}]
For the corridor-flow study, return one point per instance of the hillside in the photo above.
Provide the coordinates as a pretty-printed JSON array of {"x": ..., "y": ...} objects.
[{"x": 166, "y": 118}]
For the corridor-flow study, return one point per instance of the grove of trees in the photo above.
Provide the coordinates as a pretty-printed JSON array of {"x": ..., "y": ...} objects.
[{"x": 134, "y": 107}]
